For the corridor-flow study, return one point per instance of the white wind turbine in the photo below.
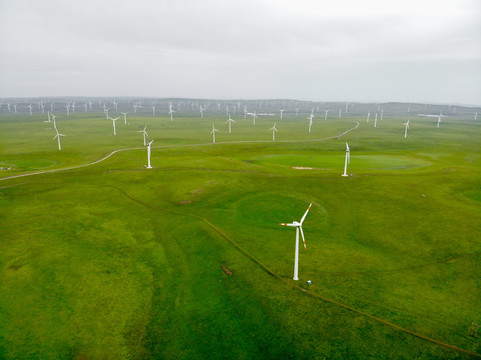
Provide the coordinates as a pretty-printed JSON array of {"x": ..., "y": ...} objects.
[
  {"x": 68, "y": 109},
  {"x": 406, "y": 130},
  {"x": 382, "y": 113},
  {"x": 145, "y": 134},
  {"x": 298, "y": 226},
  {"x": 475, "y": 116},
  {"x": 30, "y": 108},
  {"x": 310, "y": 121},
  {"x": 113, "y": 124},
  {"x": 148, "y": 154},
  {"x": 8, "y": 106},
  {"x": 340, "y": 113},
  {"x": 48, "y": 115},
  {"x": 230, "y": 121},
  {"x": 153, "y": 110},
  {"x": 281, "y": 113},
  {"x": 73, "y": 108},
  {"x": 106, "y": 111},
  {"x": 326, "y": 111},
  {"x": 54, "y": 123},
  {"x": 245, "y": 111},
  {"x": 274, "y": 130},
  {"x": 368, "y": 116},
  {"x": 348, "y": 160},
  {"x": 125, "y": 117},
  {"x": 214, "y": 130},
  {"x": 375, "y": 121},
  {"x": 15, "y": 108},
  {"x": 254, "y": 116},
  {"x": 58, "y": 137},
  {"x": 171, "y": 112},
  {"x": 201, "y": 109}
]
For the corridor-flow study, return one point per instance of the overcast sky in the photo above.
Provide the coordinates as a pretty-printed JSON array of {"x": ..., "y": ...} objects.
[{"x": 336, "y": 50}]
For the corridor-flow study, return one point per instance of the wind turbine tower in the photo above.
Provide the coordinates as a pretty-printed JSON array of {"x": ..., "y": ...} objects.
[{"x": 298, "y": 226}]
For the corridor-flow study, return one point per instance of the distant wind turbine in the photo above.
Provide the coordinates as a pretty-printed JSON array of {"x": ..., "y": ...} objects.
[
  {"x": 310, "y": 121},
  {"x": 153, "y": 110},
  {"x": 406, "y": 130},
  {"x": 30, "y": 108},
  {"x": 68, "y": 109},
  {"x": 368, "y": 116},
  {"x": 148, "y": 154},
  {"x": 54, "y": 123},
  {"x": 298, "y": 226},
  {"x": 106, "y": 110},
  {"x": 281, "y": 113},
  {"x": 340, "y": 113},
  {"x": 274, "y": 130},
  {"x": 348, "y": 160},
  {"x": 113, "y": 124},
  {"x": 125, "y": 117},
  {"x": 171, "y": 112},
  {"x": 382, "y": 113},
  {"x": 475, "y": 116},
  {"x": 326, "y": 111},
  {"x": 58, "y": 137},
  {"x": 375, "y": 121},
  {"x": 145, "y": 134},
  {"x": 202, "y": 109},
  {"x": 230, "y": 121},
  {"x": 214, "y": 130}
]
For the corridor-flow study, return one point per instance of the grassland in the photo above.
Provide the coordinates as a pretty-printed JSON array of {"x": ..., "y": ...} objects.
[{"x": 115, "y": 261}]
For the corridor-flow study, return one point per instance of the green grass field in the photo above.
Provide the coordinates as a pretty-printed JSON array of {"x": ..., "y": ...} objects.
[{"x": 115, "y": 261}]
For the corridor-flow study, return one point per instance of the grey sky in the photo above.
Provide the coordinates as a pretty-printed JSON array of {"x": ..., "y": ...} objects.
[{"x": 371, "y": 50}]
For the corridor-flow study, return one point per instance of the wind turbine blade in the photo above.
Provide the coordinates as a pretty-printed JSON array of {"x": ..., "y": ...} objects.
[
  {"x": 284, "y": 224},
  {"x": 305, "y": 214},
  {"x": 303, "y": 239}
]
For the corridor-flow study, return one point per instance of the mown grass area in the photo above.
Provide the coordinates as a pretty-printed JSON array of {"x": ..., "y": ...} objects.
[{"x": 115, "y": 261}]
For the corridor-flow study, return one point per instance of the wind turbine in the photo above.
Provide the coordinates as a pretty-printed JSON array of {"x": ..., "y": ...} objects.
[
  {"x": 148, "y": 154},
  {"x": 281, "y": 113},
  {"x": 298, "y": 226},
  {"x": 125, "y": 118},
  {"x": 348, "y": 160},
  {"x": 113, "y": 123},
  {"x": 406, "y": 130},
  {"x": 48, "y": 114},
  {"x": 201, "y": 109},
  {"x": 310, "y": 121},
  {"x": 368, "y": 116},
  {"x": 153, "y": 110},
  {"x": 214, "y": 130},
  {"x": 106, "y": 111},
  {"x": 73, "y": 108},
  {"x": 274, "y": 130},
  {"x": 254, "y": 116},
  {"x": 340, "y": 113},
  {"x": 15, "y": 107},
  {"x": 326, "y": 111},
  {"x": 54, "y": 123},
  {"x": 58, "y": 137},
  {"x": 8, "y": 106},
  {"x": 230, "y": 121},
  {"x": 171, "y": 112},
  {"x": 375, "y": 121},
  {"x": 382, "y": 113},
  {"x": 145, "y": 134},
  {"x": 68, "y": 109},
  {"x": 30, "y": 108},
  {"x": 475, "y": 116}
]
